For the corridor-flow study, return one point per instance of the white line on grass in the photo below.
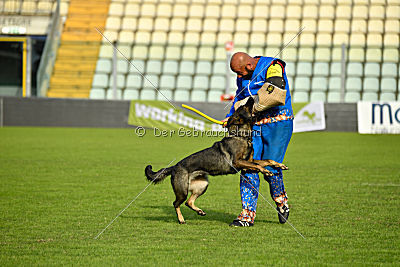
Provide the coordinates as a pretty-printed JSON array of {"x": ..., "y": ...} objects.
[
  {"x": 133, "y": 200},
  {"x": 127, "y": 60},
  {"x": 294, "y": 228}
]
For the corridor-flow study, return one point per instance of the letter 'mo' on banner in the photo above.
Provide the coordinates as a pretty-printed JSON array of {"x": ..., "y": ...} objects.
[
  {"x": 378, "y": 117},
  {"x": 161, "y": 115}
]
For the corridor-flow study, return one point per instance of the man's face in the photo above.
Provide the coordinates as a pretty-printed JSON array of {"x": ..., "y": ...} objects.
[{"x": 243, "y": 71}]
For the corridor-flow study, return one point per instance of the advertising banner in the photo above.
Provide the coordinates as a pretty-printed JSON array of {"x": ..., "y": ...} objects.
[
  {"x": 310, "y": 118},
  {"x": 378, "y": 117}
]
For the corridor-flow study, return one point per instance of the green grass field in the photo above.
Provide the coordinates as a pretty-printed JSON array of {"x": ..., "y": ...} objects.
[{"x": 60, "y": 187}]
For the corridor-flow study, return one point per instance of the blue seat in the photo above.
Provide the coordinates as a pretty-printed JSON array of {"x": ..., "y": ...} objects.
[
  {"x": 353, "y": 84},
  {"x": 302, "y": 84},
  {"x": 371, "y": 70},
  {"x": 319, "y": 84},
  {"x": 371, "y": 84},
  {"x": 304, "y": 69},
  {"x": 321, "y": 69},
  {"x": 354, "y": 69}
]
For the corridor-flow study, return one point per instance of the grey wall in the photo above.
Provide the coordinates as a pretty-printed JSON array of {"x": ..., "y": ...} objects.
[{"x": 114, "y": 114}]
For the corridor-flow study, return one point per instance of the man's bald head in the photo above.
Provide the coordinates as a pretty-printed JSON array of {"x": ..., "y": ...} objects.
[{"x": 243, "y": 64}]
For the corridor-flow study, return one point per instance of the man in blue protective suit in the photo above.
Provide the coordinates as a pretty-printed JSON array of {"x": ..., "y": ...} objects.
[{"x": 271, "y": 135}]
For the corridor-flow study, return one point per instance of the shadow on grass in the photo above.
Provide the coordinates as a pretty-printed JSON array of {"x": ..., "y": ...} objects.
[{"x": 188, "y": 214}]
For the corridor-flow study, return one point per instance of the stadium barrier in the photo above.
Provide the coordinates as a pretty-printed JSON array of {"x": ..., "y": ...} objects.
[{"x": 115, "y": 114}]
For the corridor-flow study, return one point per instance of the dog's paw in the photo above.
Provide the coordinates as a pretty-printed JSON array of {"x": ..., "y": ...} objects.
[
  {"x": 183, "y": 222},
  {"x": 282, "y": 166},
  {"x": 266, "y": 172},
  {"x": 201, "y": 213}
]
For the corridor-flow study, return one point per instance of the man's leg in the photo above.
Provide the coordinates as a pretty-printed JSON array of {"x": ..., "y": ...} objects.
[
  {"x": 249, "y": 184},
  {"x": 276, "y": 137}
]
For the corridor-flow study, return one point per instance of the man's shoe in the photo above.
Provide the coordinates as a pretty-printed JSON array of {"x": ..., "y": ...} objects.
[
  {"x": 239, "y": 223},
  {"x": 283, "y": 213}
]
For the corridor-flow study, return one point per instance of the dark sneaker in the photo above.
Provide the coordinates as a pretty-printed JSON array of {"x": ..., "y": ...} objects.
[
  {"x": 283, "y": 213},
  {"x": 239, "y": 223}
]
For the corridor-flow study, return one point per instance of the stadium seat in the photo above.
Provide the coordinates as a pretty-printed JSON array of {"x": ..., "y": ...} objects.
[
  {"x": 374, "y": 55},
  {"x": 389, "y": 70},
  {"x": 164, "y": 10},
  {"x": 189, "y": 53},
  {"x": 134, "y": 81},
  {"x": 170, "y": 67},
  {"x": 214, "y": 96},
  {"x": 136, "y": 66},
  {"x": 302, "y": 84},
  {"x": 323, "y": 54},
  {"x": 310, "y": 11},
  {"x": 120, "y": 81},
  {"x": 219, "y": 67},
  {"x": 228, "y": 11},
  {"x": 336, "y": 68},
  {"x": 153, "y": 67},
  {"x": 354, "y": 69},
  {"x": 191, "y": 39},
  {"x": 217, "y": 83},
  {"x": 304, "y": 69},
  {"x": 110, "y": 94},
  {"x": 293, "y": 11},
  {"x": 208, "y": 38},
  {"x": 100, "y": 81},
  {"x": 377, "y": 12},
  {"x": 334, "y": 97},
  {"x": 139, "y": 52},
  {"x": 129, "y": 23},
  {"x": 290, "y": 68},
  {"x": 317, "y": 96},
  {"x": 210, "y": 25},
  {"x": 148, "y": 94},
  {"x": 181, "y": 95},
  {"x": 164, "y": 95},
  {"x": 292, "y": 25},
  {"x": 375, "y": 26},
  {"x": 103, "y": 66},
  {"x": 360, "y": 12},
  {"x": 203, "y": 67},
  {"x": 306, "y": 54},
  {"x": 319, "y": 84},
  {"x": 200, "y": 83},
  {"x": 156, "y": 52},
  {"x": 198, "y": 96},
  {"x": 390, "y": 55},
  {"x": 352, "y": 97},
  {"x": 335, "y": 84},
  {"x": 206, "y": 53},
  {"x": 321, "y": 69},
  {"x": 393, "y": 11},
  {"x": 132, "y": 10},
  {"x": 340, "y": 38},
  {"x": 116, "y": 9},
  {"x": 369, "y": 96},
  {"x": 184, "y": 82},
  {"x": 186, "y": 67},
  {"x": 276, "y": 11},
  {"x": 167, "y": 81},
  {"x": 259, "y": 25},
  {"x": 392, "y": 25},
  {"x": 130, "y": 94},
  {"x": 97, "y": 93},
  {"x": 359, "y": 26},
  {"x": 356, "y": 54},
  {"x": 371, "y": 84},
  {"x": 388, "y": 84},
  {"x": 122, "y": 66},
  {"x": 387, "y": 96},
  {"x": 300, "y": 97},
  {"x": 343, "y": 11},
  {"x": 371, "y": 69},
  {"x": 353, "y": 84}
]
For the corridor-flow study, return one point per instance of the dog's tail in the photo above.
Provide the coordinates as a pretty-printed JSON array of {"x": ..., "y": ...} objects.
[{"x": 157, "y": 177}]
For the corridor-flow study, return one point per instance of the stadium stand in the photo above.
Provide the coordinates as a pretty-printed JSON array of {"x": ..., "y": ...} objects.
[{"x": 178, "y": 46}]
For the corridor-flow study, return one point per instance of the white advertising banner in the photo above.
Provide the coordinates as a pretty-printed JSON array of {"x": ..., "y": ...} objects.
[
  {"x": 378, "y": 117},
  {"x": 310, "y": 118}
]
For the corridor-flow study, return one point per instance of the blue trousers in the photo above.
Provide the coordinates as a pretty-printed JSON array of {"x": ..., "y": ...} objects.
[{"x": 270, "y": 141}]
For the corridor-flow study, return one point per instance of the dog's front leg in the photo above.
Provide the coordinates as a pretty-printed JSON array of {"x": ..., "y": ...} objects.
[
  {"x": 244, "y": 164},
  {"x": 270, "y": 162}
]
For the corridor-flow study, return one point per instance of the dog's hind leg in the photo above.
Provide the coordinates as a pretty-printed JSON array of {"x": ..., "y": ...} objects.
[
  {"x": 180, "y": 181},
  {"x": 197, "y": 187}
]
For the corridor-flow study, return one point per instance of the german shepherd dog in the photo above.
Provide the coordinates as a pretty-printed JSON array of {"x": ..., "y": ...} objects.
[{"x": 228, "y": 156}]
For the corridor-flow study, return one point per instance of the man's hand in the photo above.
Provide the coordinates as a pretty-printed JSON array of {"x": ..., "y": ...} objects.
[{"x": 224, "y": 121}]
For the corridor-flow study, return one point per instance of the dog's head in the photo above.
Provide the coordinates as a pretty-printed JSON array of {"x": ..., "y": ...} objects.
[{"x": 242, "y": 116}]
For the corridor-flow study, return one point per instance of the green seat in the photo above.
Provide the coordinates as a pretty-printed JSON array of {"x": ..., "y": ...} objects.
[
  {"x": 100, "y": 80},
  {"x": 369, "y": 96},
  {"x": 371, "y": 84},
  {"x": 388, "y": 97},
  {"x": 181, "y": 95},
  {"x": 214, "y": 96},
  {"x": 131, "y": 94},
  {"x": 97, "y": 93},
  {"x": 319, "y": 84},
  {"x": 302, "y": 84},
  {"x": 200, "y": 83},
  {"x": 148, "y": 94},
  {"x": 317, "y": 96},
  {"x": 167, "y": 82},
  {"x": 300, "y": 97},
  {"x": 352, "y": 97},
  {"x": 110, "y": 94},
  {"x": 198, "y": 96},
  {"x": 164, "y": 95},
  {"x": 134, "y": 81},
  {"x": 103, "y": 65}
]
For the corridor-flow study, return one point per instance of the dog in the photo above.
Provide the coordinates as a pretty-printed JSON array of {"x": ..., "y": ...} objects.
[{"x": 228, "y": 156}]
